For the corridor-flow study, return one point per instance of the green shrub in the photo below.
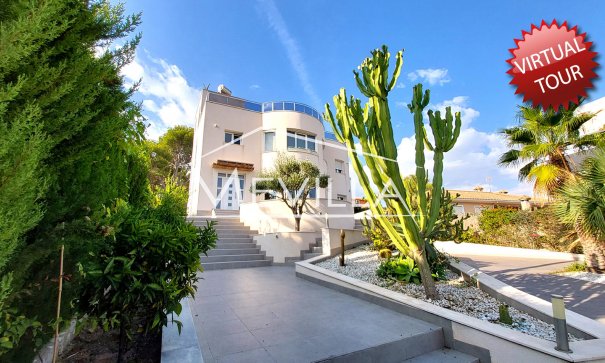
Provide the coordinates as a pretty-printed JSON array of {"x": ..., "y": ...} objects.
[
  {"x": 538, "y": 229},
  {"x": 13, "y": 325},
  {"x": 149, "y": 260},
  {"x": 402, "y": 269},
  {"x": 575, "y": 267},
  {"x": 375, "y": 233},
  {"x": 385, "y": 253}
]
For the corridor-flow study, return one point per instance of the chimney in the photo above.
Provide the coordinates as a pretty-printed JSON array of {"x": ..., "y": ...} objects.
[{"x": 478, "y": 188}]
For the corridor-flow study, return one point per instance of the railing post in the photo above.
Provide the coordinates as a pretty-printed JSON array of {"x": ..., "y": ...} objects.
[{"x": 558, "y": 314}]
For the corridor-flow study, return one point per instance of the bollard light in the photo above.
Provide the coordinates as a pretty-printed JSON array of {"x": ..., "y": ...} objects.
[{"x": 558, "y": 313}]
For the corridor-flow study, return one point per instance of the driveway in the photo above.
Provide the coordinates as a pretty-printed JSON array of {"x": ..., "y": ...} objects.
[{"x": 531, "y": 275}]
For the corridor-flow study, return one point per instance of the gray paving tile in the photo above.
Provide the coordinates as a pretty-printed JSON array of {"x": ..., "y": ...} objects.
[
  {"x": 258, "y": 355},
  {"x": 220, "y": 328},
  {"x": 233, "y": 343},
  {"x": 276, "y": 334}
]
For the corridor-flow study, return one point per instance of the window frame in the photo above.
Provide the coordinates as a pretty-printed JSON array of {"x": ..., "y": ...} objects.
[
  {"x": 306, "y": 139},
  {"x": 236, "y": 137},
  {"x": 265, "y": 141},
  {"x": 338, "y": 163}
]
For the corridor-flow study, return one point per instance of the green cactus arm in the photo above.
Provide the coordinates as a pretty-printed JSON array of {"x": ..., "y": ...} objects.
[{"x": 397, "y": 71}]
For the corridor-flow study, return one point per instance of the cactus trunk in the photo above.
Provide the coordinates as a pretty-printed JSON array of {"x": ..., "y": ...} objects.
[{"x": 411, "y": 233}]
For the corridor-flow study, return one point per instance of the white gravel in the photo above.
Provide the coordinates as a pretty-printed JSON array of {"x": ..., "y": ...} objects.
[
  {"x": 586, "y": 276},
  {"x": 455, "y": 294}
]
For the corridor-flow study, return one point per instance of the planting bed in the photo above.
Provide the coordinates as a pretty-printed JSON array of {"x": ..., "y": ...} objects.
[{"x": 455, "y": 294}]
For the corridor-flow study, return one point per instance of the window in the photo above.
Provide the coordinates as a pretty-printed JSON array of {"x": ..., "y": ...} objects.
[
  {"x": 297, "y": 140},
  {"x": 233, "y": 137},
  {"x": 313, "y": 193},
  {"x": 339, "y": 166},
  {"x": 341, "y": 197},
  {"x": 478, "y": 209},
  {"x": 269, "y": 141}
]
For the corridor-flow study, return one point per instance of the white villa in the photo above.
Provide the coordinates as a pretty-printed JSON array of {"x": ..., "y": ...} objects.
[{"x": 236, "y": 138}]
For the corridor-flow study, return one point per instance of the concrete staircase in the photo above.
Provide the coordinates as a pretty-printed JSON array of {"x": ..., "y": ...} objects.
[
  {"x": 315, "y": 249},
  {"x": 235, "y": 247},
  {"x": 358, "y": 224}
]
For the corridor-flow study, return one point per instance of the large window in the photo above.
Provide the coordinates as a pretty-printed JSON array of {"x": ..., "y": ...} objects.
[
  {"x": 233, "y": 137},
  {"x": 297, "y": 140},
  {"x": 270, "y": 141}
]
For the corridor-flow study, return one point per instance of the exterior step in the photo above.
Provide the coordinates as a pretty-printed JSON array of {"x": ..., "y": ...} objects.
[
  {"x": 232, "y": 251},
  {"x": 232, "y": 234},
  {"x": 317, "y": 250},
  {"x": 235, "y": 264},
  {"x": 230, "y": 258},
  {"x": 235, "y": 239},
  {"x": 444, "y": 356},
  {"x": 231, "y": 246},
  {"x": 308, "y": 255}
]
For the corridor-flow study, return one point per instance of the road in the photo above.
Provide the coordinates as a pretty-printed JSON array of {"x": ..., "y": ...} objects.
[{"x": 531, "y": 275}]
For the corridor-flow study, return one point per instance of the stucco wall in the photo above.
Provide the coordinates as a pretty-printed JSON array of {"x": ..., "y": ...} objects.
[{"x": 284, "y": 245}]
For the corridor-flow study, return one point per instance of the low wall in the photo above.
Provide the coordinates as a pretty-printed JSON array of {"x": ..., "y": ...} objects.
[
  {"x": 285, "y": 245},
  {"x": 330, "y": 240},
  {"x": 271, "y": 216},
  {"x": 489, "y": 342},
  {"x": 502, "y": 251}
]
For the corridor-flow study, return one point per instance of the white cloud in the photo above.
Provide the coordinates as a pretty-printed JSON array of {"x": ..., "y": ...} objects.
[
  {"x": 168, "y": 99},
  {"x": 430, "y": 75},
  {"x": 400, "y": 85},
  {"x": 277, "y": 23},
  {"x": 458, "y": 104},
  {"x": 254, "y": 87}
]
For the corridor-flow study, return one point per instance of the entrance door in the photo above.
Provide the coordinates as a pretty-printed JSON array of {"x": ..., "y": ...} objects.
[{"x": 229, "y": 193}]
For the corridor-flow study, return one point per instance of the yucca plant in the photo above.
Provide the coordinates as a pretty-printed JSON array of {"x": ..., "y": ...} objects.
[{"x": 581, "y": 204}]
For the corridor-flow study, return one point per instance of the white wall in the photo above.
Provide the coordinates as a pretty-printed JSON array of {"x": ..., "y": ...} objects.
[{"x": 283, "y": 245}]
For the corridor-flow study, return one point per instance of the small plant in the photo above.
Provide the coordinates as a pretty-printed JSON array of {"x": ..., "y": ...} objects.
[
  {"x": 504, "y": 315},
  {"x": 13, "y": 325},
  {"x": 385, "y": 253},
  {"x": 374, "y": 231},
  {"x": 403, "y": 269},
  {"x": 575, "y": 267}
]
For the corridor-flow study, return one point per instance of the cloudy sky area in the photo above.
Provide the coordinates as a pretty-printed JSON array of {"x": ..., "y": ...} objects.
[{"x": 305, "y": 51}]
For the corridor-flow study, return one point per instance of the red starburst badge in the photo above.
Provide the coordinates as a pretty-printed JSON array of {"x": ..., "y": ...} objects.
[{"x": 552, "y": 65}]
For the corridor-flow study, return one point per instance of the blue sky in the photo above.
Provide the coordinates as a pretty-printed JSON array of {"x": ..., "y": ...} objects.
[{"x": 305, "y": 51}]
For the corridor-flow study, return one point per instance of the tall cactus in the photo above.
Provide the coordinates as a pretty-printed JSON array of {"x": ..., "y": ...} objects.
[{"x": 371, "y": 127}]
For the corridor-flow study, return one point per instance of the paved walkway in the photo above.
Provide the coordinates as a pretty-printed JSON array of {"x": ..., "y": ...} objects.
[
  {"x": 267, "y": 314},
  {"x": 531, "y": 275}
]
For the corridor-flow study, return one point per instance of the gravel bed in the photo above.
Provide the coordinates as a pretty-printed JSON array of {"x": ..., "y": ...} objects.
[
  {"x": 455, "y": 294},
  {"x": 586, "y": 276}
]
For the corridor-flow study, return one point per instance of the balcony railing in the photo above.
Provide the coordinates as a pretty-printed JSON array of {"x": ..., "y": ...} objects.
[{"x": 265, "y": 106}]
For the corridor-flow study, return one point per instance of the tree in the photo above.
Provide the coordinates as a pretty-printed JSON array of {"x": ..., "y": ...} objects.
[
  {"x": 370, "y": 126},
  {"x": 69, "y": 136},
  {"x": 171, "y": 156},
  {"x": 581, "y": 204},
  {"x": 291, "y": 180},
  {"x": 543, "y": 142}
]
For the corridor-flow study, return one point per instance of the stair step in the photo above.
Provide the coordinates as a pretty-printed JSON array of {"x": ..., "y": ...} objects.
[
  {"x": 231, "y": 246},
  {"x": 230, "y": 258},
  {"x": 308, "y": 255},
  {"x": 317, "y": 249},
  {"x": 235, "y": 264},
  {"x": 235, "y": 239},
  {"x": 444, "y": 356},
  {"x": 230, "y": 234},
  {"x": 220, "y": 251}
]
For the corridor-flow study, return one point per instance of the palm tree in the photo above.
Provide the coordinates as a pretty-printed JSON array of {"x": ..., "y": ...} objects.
[
  {"x": 581, "y": 204},
  {"x": 542, "y": 144}
]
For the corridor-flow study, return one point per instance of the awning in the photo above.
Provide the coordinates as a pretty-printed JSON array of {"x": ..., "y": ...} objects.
[{"x": 230, "y": 165}]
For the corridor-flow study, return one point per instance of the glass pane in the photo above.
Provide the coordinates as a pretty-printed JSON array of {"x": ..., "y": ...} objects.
[
  {"x": 288, "y": 106},
  {"x": 253, "y": 106},
  {"x": 269, "y": 137},
  {"x": 315, "y": 114},
  {"x": 241, "y": 183},
  {"x": 291, "y": 140},
  {"x": 300, "y": 141},
  {"x": 299, "y": 107},
  {"x": 308, "y": 110},
  {"x": 228, "y": 137},
  {"x": 219, "y": 182},
  {"x": 311, "y": 143},
  {"x": 237, "y": 139},
  {"x": 267, "y": 106},
  {"x": 312, "y": 193},
  {"x": 278, "y": 105}
]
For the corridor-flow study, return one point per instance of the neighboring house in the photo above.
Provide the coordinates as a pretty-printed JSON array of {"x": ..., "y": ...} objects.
[
  {"x": 593, "y": 126},
  {"x": 236, "y": 138},
  {"x": 474, "y": 201},
  {"x": 360, "y": 204}
]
